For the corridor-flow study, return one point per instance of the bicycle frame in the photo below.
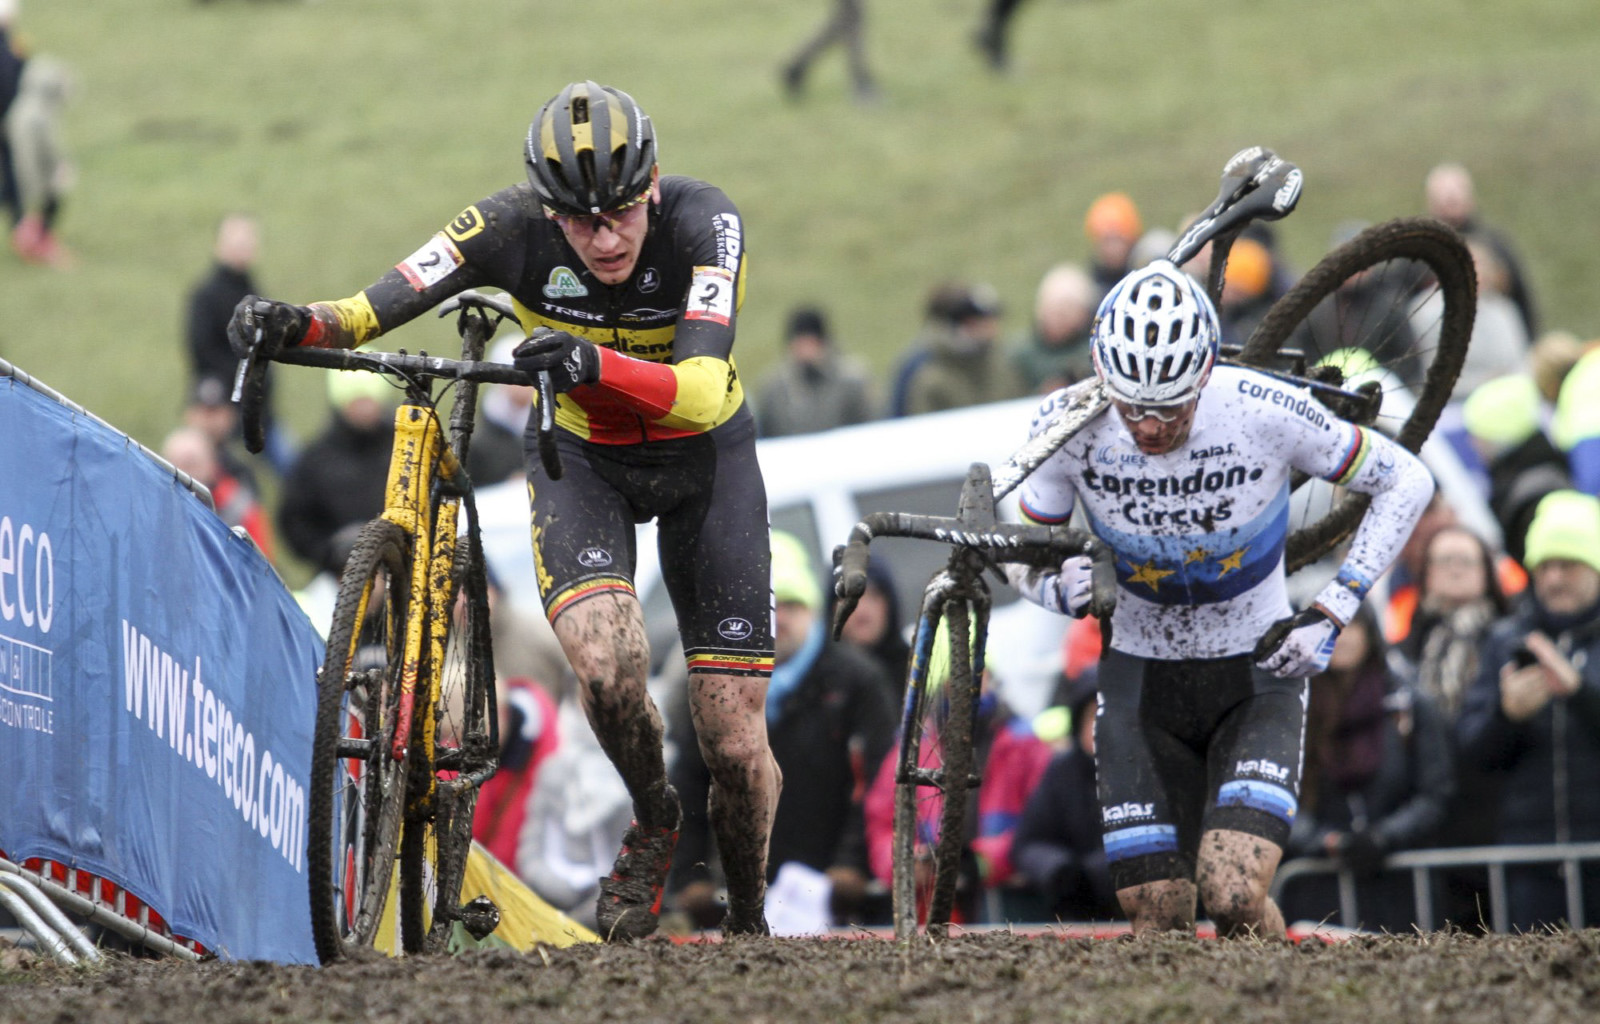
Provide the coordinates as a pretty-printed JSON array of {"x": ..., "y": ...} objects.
[
  {"x": 422, "y": 798},
  {"x": 420, "y": 462}
]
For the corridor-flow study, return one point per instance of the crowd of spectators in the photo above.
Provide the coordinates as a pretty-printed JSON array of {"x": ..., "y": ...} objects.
[{"x": 1461, "y": 708}]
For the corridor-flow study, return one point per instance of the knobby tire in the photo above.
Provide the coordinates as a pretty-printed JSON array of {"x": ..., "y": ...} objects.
[
  {"x": 936, "y": 735},
  {"x": 1309, "y": 316},
  {"x": 356, "y": 803},
  {"x": 435, "y": 846}
]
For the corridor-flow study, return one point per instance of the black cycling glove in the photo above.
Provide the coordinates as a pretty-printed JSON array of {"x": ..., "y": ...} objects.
[
  {"x": 570, "y": 360},
  {"x": 278, "y": 324}
]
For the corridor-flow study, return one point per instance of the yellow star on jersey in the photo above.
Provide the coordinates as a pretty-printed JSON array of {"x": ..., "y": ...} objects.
[
  {"x": 1149, "y": 575},
  {"x": 1232, "y": 562},
  {"x": 1197, "y": 555}
]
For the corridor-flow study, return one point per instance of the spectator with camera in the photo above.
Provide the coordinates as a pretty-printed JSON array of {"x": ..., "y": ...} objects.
[{"x": 1532, "y": 716}]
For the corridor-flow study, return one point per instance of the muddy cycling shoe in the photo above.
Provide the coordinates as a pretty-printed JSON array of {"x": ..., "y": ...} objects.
[
  {"x": 753, "y": 922},
  {"x": 630, "y": 899}
]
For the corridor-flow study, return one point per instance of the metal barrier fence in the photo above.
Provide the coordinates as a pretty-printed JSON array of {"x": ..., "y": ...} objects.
[
  {"x": 45, "y": 902},
  {"x": 1422, "y": 863}
]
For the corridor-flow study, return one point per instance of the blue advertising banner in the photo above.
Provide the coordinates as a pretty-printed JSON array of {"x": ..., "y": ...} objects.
[{"x": 157, "y": 687}]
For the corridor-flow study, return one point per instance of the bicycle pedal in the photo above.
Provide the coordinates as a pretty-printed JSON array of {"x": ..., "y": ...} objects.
[{"x": 479, "y": 916}]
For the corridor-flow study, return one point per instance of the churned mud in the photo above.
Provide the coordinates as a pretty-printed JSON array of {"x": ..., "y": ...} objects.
[{"x": 1003, "y": 977}]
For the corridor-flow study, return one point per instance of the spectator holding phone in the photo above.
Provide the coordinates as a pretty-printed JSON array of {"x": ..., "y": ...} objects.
[{"x": 1532, "y": 716}]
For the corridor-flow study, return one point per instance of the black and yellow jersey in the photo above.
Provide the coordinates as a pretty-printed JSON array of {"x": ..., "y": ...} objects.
[{"x": 677, "y": 309}]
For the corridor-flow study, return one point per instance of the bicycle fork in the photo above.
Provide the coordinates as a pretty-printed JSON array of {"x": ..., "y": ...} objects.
[
  {"x": 946, "y": 589},
  {"x": 418, "y": 446}
]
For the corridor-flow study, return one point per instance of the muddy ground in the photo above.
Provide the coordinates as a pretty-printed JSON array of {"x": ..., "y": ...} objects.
[{"x": 991, "y": 977}]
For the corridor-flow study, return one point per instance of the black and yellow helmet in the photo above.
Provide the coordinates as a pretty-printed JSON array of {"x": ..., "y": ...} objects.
[{"x": 590, "y": 150}]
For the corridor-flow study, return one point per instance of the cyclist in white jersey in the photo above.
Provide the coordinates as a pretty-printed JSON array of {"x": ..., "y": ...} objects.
[{"x": 1202, "y": 690}]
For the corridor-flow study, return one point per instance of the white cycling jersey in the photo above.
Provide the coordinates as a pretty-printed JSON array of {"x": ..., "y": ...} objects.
[{"x": 1199, "y": 532}]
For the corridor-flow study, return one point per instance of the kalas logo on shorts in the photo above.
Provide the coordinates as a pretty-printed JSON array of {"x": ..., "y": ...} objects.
[
  {"x": 735, "y": 628},
  {"x": 594, "y": 558}
]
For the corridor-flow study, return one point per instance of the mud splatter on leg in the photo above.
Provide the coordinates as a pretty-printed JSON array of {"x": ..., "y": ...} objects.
[
  {"x": 605, "y": 643},
  {"x": 730, "y": 719},
  {"x": 1234, "y": 872}
]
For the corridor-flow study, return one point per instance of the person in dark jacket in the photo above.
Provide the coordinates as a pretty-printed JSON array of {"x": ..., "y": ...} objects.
[
  {"x": 11, "y": 64},
  {"x": 207, "y": 311},
  {"x": 1379, "y": 775},
  {"x": 815, "y": 386},
  {"x": 875, "y": 629},
  {"x": 830, "y": 724},
  {"x": 1532, "y": 715},
  {"x": 1054, "y": 351},
  {"x": 1458, "y": 600},
  {"x": 1057, "y": 847},
  {"x": 339, "y": 479}
]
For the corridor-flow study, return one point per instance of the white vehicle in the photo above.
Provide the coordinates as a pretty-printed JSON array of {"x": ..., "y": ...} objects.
[{"x": 820, "y": 485}]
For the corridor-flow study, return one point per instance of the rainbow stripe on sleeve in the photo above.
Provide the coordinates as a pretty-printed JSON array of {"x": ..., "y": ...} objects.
[{"x": 1354, "y": 457}]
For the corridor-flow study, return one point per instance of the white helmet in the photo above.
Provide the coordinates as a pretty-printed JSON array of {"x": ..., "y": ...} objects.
[{"x": 1155, "y": 336}]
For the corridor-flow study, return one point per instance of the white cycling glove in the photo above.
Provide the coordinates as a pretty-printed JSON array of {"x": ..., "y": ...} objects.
[
  {"x": 1298, "y": 646},
  {"x": 1301, "y": 644},
  {"x": 1065, "y": 592}
]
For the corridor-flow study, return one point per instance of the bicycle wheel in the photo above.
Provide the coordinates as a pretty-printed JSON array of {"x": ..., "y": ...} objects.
[
  {"x": 932, "y": 780},
  {"x": 357, "y": 787},
  {"x": 1404, "y": 294},
  {"x": 438, "y": 838}
]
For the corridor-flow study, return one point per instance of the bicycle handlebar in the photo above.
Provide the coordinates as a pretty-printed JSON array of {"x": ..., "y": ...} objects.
[
  {"x": 477, "y": 312},
  {"x": 1040, "y": 546},
  {"x": 404, "y": 365}
]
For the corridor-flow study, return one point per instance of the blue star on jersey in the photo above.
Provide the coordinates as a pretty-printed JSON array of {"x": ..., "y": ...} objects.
[{"x": 1201, "y": 568}]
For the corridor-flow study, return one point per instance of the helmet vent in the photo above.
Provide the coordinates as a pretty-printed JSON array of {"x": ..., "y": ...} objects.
[
  {"x": 614, "y": 178},
  {"x": 586, "y": 168},
  {"x": 1152, "y": 335},
  {"x": 580, "y": 110}
]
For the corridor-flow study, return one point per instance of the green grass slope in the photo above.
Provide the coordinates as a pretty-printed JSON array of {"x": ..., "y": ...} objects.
[{"x": 356, "y": 128}]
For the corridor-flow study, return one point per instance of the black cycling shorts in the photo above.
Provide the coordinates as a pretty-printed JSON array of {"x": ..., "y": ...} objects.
[
  {"x": 1185, "y": 747},
  {"x": 710, "y": 503}
]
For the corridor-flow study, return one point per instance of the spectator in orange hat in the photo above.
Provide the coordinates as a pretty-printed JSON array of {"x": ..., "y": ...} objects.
[
  {"x": 1246, "y": 290},
  {"x": 1113, "y": 226}
]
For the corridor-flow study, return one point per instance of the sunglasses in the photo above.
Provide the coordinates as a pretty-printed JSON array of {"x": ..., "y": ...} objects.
[
  {"x": 1133, "y": 412},
  {"x": 589, "y": 223}
]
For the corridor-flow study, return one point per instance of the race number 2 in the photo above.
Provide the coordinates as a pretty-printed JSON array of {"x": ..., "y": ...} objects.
[
  {"x": 711, "y": 295},
  {"x": 432, "y": 263}
]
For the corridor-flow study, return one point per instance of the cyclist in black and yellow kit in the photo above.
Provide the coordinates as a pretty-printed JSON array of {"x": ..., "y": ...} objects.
[{"x": 629, "y": 284}]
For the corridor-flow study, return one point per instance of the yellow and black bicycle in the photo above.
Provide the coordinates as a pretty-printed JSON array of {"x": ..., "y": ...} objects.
[{"x": 407, "y": 726}]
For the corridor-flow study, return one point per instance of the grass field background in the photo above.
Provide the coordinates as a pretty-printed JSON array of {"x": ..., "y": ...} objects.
[{"x": 356, "y": 128}]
